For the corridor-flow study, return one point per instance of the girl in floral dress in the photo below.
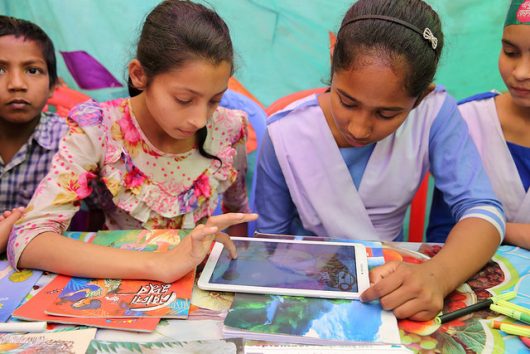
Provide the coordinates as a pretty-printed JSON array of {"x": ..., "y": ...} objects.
[{"x": 157, "y": 160}]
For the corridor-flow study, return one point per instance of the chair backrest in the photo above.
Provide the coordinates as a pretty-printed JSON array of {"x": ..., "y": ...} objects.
[
  {"x": 419, "y": 211},
  {"x": 283, "y": 102},
  {"x": 64, "y": 99}
]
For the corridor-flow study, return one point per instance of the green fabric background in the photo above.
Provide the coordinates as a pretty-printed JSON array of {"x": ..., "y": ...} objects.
[{"x": 282, "y": 45}]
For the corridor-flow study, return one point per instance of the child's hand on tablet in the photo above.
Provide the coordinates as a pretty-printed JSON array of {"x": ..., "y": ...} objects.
[
  {"x": 192, "y": 250},
  {"x": 409, "y": 290},
  {"x": 224, "y": 221},
  {"x": 230, "y": 220}
]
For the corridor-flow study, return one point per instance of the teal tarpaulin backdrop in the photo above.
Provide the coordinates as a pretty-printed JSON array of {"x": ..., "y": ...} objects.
[{"x": 282, "y": 45}]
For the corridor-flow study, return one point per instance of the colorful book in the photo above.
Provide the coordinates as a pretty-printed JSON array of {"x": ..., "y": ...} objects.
[
  {"x": 15, "y": 286},
  {"x": 65, "y": 342},
  {"x": 115, "y": 298},
  {"x": 138, "y": 240},
  {"x": 102, "y": 298},
  {"x": 303, "y": 320},
  {"x": 257, "y": 347},
  {"x": 219, "y": 346},
  {"x": 33, "y": 310}
]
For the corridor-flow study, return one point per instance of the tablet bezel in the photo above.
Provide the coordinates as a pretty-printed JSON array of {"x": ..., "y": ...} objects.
[{"x": 361, "y": 267}]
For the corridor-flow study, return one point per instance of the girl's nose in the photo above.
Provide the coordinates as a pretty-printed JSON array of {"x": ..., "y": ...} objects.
[
  {"x": 361, "y": 127},
  {"x": 199, "y": 118},
  {"x": 522, "y": 69}
]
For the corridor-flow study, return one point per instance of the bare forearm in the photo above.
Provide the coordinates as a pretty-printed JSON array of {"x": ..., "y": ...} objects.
[
  {"x": 470, "y": 245},
  {"x": 59, "y": 254},
  {"x": 518, "y": 234}
]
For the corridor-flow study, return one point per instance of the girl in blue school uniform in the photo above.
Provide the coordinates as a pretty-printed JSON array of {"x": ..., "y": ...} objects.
[
  {"x": 346, "y": 163},
  {"x": 500, "y": 127}
]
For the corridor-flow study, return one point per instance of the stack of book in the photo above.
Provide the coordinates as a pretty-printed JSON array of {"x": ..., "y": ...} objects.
[{"x": 135, "y": 305}]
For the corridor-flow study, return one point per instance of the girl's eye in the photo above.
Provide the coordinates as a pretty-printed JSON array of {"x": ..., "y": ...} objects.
[
  {"x": 2, "y": 70},
  {"x": 347, "y": 104},
  {"x": 183, "y": 101},
  {"x": 510, "y": 53},
  {"x": 387, "y": 115}
]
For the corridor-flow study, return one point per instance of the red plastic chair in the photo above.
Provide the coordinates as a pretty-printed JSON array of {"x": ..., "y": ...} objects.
[
  {"x": 65, "y": 98},
  {"x": 283, "y": 102},
  {"x": 419, "y": 212}
]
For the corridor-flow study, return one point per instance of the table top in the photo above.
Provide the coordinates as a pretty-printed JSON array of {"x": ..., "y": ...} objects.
[{"x": 509, "y": 269}]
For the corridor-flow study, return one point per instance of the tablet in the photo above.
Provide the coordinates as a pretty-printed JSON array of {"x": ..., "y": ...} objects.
[{"x": 288, "y": 267}]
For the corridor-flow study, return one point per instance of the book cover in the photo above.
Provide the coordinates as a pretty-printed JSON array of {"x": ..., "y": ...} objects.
[
  {"x": 65, "y": 342},
  {"x": 115, "y": 298},
  {"x": 33, "y": 310},
  {"x": 219, "y": 346},
  {"x": 137, "y": 240},
  {"x": 15, "y": 286},
  {"x": 303, "y": 320}
]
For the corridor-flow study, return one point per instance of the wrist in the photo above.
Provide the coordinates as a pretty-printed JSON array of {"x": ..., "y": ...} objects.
[
  {"x": 166, "y": 268},
  {"x": 441, "y": 276}
]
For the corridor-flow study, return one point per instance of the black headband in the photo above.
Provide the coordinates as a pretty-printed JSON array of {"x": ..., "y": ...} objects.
[{"x": 426, "y": 33}]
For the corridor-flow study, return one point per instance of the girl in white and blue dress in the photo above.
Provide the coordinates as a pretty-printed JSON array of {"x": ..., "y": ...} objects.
[
  {"x": 346, "y": 163},
  {"x": 500, "y": 127}
]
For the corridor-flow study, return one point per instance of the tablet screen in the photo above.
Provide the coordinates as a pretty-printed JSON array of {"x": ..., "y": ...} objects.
[{"x": 289, "y": 265}]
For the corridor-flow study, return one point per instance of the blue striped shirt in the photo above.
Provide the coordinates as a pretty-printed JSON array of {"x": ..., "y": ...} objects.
[{"x": 21, "y": 176}]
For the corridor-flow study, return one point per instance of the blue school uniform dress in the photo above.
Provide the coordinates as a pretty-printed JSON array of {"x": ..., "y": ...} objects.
[
  {"x": 306, "y": 185},
  {"x": 507, "y": 165}
]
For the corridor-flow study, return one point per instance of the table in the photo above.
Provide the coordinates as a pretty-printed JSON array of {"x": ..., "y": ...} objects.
[{"x": 508, "y": 269}]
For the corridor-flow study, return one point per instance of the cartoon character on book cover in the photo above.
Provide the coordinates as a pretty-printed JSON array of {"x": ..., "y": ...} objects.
[
  {"x": 34, "y": 310},
  {"x": 123, "y": 298}
]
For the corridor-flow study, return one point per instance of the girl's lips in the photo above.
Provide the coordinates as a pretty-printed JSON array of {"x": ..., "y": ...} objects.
[
  {"x": 357, "y": 143},
  {"x": 186, "y": 132},
  {"x": 520, "y": 91}
]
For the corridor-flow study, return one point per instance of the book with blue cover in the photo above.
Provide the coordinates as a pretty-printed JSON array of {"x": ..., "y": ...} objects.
[
  {"x": 14, "y": 287},
  {"x": 306, "y": 320}
]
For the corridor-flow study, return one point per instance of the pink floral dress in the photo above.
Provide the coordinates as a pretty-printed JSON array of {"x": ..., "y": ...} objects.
[{"x": 105, "y": 153}]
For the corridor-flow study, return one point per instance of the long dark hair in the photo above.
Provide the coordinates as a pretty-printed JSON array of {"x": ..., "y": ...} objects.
[
  {"x": 11, "y": 26},
  {"x": 175, "y": 32},
  {"x": 393, "y": 30}
]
